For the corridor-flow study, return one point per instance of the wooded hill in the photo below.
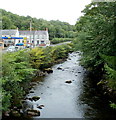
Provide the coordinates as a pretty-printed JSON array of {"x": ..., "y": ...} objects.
[{"x": 57, "y": 29}]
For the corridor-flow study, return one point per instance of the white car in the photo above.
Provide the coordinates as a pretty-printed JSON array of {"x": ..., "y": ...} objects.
[{"x": 11, "y": 49}]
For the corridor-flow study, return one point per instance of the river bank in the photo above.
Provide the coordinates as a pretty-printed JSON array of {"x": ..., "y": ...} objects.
[
  {"x": 20, "y": 67},
  {"x": 81, "y": 98}
]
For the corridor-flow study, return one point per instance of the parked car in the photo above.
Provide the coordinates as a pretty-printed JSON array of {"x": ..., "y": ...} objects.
[{"x": 11, "y": 49}]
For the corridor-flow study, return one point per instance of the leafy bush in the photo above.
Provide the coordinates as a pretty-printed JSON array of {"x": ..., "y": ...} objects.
[
  {"x": 41, "y": 58},
  {"x": 111, "y": 77},
  {"x": 18, "y": 68},
  {"x": 113, "y": 105}
]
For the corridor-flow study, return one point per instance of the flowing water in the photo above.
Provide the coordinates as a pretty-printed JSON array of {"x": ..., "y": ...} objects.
[{"x": 79, "y": 99}]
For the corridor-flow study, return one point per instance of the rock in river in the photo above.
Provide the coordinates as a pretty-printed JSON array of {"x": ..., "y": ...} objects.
[
  {"x": 68, "y": 81},
  {"x": 79, "y": 72},
  {"x": 40, "y": 106},
  {"x": 31, "y": 91},
  {"x": 59, "y": 68}
]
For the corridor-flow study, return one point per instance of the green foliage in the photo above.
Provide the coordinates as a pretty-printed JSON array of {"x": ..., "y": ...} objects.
[
  {"x": 41, "y": 58},
  {"x": 96, "y": 39},
  {"x": 37, "y": 57},
  {"x": 110, "y": 60},
  {"x": 18, "y": 68},
  {"x": 6, "y": 98},
  {"x": 58, "y": 52},
  {"x": 56, "y": 28},
  {"x": 60, "y": 40},
  {"x": 7, "y": 23},
  {"x": 113, "y": 105},
  {"x": 111, "y": 77},
  {"x": 48, "y": 60}
]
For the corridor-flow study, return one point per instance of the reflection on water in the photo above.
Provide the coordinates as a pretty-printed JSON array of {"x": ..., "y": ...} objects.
[{"x": 98, "y": 104}]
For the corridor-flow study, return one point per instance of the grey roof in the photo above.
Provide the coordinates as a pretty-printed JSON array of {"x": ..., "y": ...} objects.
[
  {"x": 25, "y": 32},
  {"x": 9, "y": 32},
  {"x": 41, "y": 32}
]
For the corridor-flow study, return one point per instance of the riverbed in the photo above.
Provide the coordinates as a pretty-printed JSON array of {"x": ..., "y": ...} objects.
[
  {"x": 60, "y": 98},
  {"x": 78, "y": 99}
]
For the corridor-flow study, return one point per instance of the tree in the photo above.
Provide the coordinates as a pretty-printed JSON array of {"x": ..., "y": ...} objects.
[
  {"x": 6, "y": 23},
  {"x": 96, "y": 39},
  {"x": 56, "y": 28}
]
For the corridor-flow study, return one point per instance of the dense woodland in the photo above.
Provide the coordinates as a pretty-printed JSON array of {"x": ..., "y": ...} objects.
[
  {"x": 97, "y": 40},
  {"x": 57, "y": 29}
]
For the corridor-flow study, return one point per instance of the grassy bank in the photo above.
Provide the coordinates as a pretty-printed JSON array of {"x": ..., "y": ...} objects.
[{"x": 18, "y": 69}]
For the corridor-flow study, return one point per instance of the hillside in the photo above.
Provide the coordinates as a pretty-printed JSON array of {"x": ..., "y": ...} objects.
[{"x": 57, "y": 29}]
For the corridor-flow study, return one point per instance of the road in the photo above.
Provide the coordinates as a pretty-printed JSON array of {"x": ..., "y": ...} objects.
[
  {"x": 4, "y": 50},
  {"x": 61, "y": 43}
]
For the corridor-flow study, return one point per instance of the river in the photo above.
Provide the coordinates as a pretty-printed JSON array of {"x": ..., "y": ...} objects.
[
  {"x": 60, "y": 98},
  {"x": 79, "y": 99}
]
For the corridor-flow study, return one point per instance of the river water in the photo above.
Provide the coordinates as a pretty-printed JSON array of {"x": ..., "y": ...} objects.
[
  {"x": 59, "y": 98},
  {"x": 79, "y": 99}
]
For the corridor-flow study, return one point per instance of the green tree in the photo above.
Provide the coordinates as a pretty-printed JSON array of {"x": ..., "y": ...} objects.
[
  {"x": 6, "y": 23},
  {"x": 96, "y": 39}
]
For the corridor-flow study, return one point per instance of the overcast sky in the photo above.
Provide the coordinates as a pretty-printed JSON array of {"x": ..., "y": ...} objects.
[{"x": 63, "y": 10}]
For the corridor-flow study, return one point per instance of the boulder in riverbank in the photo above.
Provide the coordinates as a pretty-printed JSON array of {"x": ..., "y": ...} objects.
[
  {"x": 7, "y": 113},
  {"x": 35, "y": 98},
  {"x": 33, "y": 112},
  {"x": 48, "y": 70},
  {"x": 15, "y": 113}
]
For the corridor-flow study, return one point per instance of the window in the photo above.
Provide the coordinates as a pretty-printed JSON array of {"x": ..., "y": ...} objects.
[
  {"x": 9, "y": 42},
  {"x": 42, "y": 42}
]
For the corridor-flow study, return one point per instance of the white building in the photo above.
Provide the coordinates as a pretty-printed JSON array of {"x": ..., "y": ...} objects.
[
  {"x": 10, "y": 33},
  {"x": 36, "y": 38}
]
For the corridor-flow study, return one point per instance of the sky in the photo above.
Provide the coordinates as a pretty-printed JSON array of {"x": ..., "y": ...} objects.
[{"x": 63, "y": 10}]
